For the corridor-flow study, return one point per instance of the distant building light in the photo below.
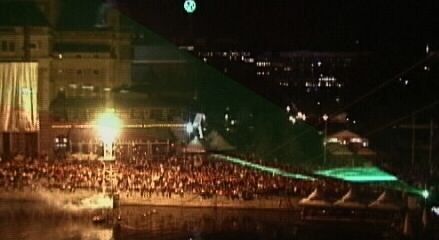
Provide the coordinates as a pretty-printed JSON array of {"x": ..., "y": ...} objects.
[
  {"x": 319, "y": 63},
  {"x": 332, "y": 140},
  {"x": 87, "y": 87},
  {"x": 59, "y": 56},
  {"x": 73, "y": 85},
  {"x": 292, "y": 119},
  {"x": 187, "y": 48},
  {"x": 107, "y": 89},
  {"x": 406, "y": 82}
]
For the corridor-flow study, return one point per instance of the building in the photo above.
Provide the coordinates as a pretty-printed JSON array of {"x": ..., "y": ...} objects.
[
  {"x": 25, "y": 36},
  {"x": 85, "y": 66},
  {"x": 349, "y": 148}
]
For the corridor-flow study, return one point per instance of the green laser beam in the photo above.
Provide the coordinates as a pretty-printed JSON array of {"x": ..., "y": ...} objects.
[
  {"x": 359, "y": 174},
  {"x": 271, "y": 170}
]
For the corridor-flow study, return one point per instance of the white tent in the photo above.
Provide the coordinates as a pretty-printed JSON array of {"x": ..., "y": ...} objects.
[
  {"x": 316, "y": 198},
  {"x": 350, "y": 199},
  {"x": 385, "y": 201},
  {"x": 215, "y": 142},
  {"x": 195, "y": 146}
]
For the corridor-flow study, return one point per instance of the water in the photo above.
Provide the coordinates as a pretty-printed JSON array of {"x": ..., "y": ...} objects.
[{"x": 31, "y": 220}]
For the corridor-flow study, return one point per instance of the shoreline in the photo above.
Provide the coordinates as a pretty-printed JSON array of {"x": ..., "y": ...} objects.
[{"x": 65, "y": 199}]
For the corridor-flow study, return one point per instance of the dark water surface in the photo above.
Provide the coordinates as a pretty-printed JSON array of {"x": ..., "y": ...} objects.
[{"x": 31, "y": 220}]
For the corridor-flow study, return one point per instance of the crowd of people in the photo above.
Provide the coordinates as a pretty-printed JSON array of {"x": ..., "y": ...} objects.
[{"x": 170, "y": 177}]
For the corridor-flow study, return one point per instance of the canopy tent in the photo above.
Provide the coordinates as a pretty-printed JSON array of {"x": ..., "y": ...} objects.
[
  {"x": 339, "y": 150},
  {"x": 385, "y": 201},
  {"x": 215, "y": 142},
  {"x": 194, "y": 146},
  {"x": 344, "y": 134},
  {"x": 350, "y": 199},
  {"x": 316, "y": 198},
  {"x": 366, "y": 152}
]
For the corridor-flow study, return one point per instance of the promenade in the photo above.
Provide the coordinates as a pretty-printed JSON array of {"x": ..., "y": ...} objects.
[{"x": 68, "y": 200}]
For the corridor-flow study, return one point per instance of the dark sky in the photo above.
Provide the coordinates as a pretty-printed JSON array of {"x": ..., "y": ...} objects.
[{"x": 295, "y": 24}]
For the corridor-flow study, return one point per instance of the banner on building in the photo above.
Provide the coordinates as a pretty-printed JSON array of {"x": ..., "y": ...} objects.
[{"x": 18, "y": 97}]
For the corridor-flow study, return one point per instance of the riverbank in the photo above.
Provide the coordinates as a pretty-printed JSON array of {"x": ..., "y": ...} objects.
[{"x": 62, "y": 199}]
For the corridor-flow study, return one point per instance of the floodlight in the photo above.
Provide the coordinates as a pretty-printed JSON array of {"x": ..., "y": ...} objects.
[{"x": 108, "y": 126}]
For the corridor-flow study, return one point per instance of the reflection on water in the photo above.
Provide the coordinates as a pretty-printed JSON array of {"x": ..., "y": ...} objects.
[{"x": 30, "y": 220}]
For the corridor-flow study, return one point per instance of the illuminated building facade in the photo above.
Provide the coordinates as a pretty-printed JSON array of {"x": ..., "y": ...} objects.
[{"x": 84, "y": 67}]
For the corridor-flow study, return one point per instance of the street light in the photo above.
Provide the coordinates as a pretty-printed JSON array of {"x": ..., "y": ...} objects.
[
  {"x": 325, "y": 120},
  {"x": 108, "y": 126}
]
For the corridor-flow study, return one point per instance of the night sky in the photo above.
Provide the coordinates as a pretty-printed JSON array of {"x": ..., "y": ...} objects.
[{"x": 392, "y": 25}]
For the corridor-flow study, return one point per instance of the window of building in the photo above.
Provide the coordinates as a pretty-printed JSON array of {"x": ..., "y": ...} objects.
[
  {"x": 11, "y": 46},
  {"x": 157, "y": 114},
  {"x": 4, "y": 46},
  {"x": 33, "y": 45}
]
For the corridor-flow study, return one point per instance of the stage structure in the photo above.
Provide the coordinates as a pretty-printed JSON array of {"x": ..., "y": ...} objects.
[{"x": 108, "y": 126}]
